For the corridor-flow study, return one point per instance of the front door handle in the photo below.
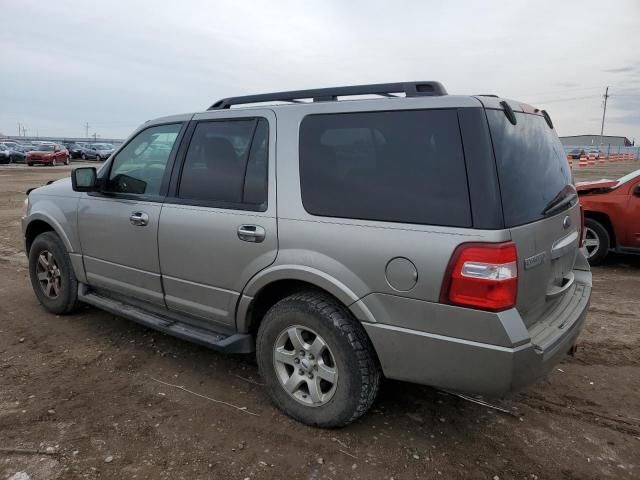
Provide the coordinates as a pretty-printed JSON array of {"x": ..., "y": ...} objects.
[
  {"x": 139, "y": 219},
  {"x": 251, "y": 233}
]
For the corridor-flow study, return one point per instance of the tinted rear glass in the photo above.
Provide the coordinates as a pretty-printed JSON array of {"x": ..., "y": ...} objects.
[
  {"x": 403, "y": 166},
  {"x": 532, "y": 165}
]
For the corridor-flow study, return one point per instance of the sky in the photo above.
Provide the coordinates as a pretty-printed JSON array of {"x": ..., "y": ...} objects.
[{"x": 116, "y": 64}]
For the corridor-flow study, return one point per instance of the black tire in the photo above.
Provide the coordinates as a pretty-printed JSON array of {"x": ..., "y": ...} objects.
[
  {"x": 98, "y": 159},
  {"x": 83, "y": 156},
  {"x": 359, "y": 373},
  {"x": 29, "y": 164},
  {"x": 603, "y": 237},
  {"x": 67, "y": 299}
]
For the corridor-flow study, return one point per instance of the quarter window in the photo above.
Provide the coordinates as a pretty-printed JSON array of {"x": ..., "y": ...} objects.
[
  {"x": 140, "y": 166},
  {"x": 226, "y": 164},
  {"x": 400, "y": 166}
]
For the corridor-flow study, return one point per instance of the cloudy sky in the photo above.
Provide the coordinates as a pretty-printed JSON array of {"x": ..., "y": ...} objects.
[{"x": 68, "y": 62}]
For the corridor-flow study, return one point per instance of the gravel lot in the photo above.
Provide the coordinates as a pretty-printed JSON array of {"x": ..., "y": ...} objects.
[{"x": 80, "y": 395}]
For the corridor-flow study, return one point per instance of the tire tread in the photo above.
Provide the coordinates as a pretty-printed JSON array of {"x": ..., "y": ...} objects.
[{"x": 342, "y": 320}]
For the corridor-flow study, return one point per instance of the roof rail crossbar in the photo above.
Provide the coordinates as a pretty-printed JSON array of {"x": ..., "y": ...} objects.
[{"x": 410, "y": 89}]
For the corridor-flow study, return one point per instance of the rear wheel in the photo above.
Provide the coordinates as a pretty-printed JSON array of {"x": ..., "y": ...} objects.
[
  {"x": 54, "y": 162},
  {"x": 83, "y": 156},
  {"x": 98, "y": 158},
  {"x": 29, "y": 164},
  {"x": 52, "y": 277},
  {"x": 317, "y": 361},
  {"x": 596, "y": 241}
]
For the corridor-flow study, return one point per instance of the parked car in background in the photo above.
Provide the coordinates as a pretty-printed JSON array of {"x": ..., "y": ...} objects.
[
  {"x": 87, "y": 152},
  {"x": 10, "y": 143},
  {"x": 594, "y": 151},
  {"x": 576, "y": 152},
  {"x": 75, "y": 149},
  {"x": 17, "y": 155},
  {"x": 103, "y": 151},
  {"x": 457, "y": 265},
  {"x": 611, "y": 216},
  {"x": 48, "y": 154},
  {"x": 5, "y": 154},
  {"x": 16, "y": 152}
]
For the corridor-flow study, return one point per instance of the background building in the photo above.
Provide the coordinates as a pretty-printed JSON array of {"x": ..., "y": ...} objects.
[{"x": 584, "y": 140}]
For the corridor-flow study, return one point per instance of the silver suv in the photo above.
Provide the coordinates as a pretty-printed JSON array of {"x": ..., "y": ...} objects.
[{"x": 414, "y": 235}]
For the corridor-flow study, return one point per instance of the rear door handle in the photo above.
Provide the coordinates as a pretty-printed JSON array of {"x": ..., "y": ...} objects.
[
  {"x": 139, "y": 219},
  {"x": 251, "y": 233}
]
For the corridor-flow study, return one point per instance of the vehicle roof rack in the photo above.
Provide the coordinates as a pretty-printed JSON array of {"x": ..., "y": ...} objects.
[{"x": 410, "y": 89}]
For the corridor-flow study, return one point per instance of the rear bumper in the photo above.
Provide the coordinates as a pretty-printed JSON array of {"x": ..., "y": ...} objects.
[{"x": 470, "y": 366}]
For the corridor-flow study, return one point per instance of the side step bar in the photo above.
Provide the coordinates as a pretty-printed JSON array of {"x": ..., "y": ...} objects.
[{"x": 236, "y": 343}]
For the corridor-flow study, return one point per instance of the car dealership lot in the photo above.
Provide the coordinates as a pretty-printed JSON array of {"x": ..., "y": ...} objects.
[{"x": 88, "y": 387}]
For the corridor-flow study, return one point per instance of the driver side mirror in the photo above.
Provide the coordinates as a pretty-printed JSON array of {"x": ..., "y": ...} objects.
[{"x": 85, "y": 179}]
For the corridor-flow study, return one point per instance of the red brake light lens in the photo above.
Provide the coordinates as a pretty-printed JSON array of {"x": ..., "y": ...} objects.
[{"x": 482, "y": 276}]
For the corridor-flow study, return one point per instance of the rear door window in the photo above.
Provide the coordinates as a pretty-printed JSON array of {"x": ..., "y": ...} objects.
[
  {"x": 226, "y": 164},
  {"x": 532, "y": 165},
  {"x": 400, "y": 166}
]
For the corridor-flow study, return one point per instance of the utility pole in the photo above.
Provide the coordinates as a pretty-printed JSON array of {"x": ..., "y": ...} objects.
[
  {"x": 604, "y": 112},
  {"x": 86, "y": 129},
  {"x": 19, "y": 128}
]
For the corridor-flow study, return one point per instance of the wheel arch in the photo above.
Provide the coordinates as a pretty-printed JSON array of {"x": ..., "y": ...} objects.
[
  {"x": 38, "y": 224},
  {"x": 605, "y": 221},
  {"x": 271, "y": 286}
]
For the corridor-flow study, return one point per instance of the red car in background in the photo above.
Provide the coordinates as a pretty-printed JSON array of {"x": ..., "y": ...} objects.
[
  {"x": 611, "y": 216},
  {"x": 48, "y": 154}
]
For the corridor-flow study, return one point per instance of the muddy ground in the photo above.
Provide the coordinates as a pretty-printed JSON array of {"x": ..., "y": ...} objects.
[{"x": 87, "y": 388}]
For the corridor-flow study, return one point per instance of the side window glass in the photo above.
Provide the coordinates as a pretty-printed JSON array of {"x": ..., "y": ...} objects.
[
  {"x": 227, "y": 162},
  {"x": 140, "y": 166}
]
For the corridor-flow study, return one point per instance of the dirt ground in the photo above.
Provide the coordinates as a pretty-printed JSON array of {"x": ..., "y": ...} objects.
[{"x": 81, "y": 396}]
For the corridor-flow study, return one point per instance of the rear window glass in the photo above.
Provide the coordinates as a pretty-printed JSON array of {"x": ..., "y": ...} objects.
[
  {"x": 532, "y": 165},
  {"x": 403, "y": 166}
]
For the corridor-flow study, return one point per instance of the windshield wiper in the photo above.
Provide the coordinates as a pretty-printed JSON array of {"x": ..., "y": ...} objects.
[{"x": 563, "y": 200}]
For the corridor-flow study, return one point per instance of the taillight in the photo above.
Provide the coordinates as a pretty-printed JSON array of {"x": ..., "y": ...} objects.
[{"x": 483, "y": 276}]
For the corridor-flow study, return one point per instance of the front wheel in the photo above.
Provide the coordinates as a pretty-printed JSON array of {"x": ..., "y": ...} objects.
[
  {"x": 317, "y": 361},
  {"x": 54, "y": 163},
  {"x": 98, "y": 158},
  {"x": 52, "y": 277},
  {"x": 596, "y": 241},
  {"x": 83, "y": 156}
]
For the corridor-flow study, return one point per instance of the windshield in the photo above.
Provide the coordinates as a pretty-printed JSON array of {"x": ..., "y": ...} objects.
[
  {"x": 532, "y": 167},
  {"x": 44, "y": 148}
]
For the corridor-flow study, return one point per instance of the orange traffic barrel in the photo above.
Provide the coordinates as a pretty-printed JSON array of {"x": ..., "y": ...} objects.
[{"x": 583, "y": 161}]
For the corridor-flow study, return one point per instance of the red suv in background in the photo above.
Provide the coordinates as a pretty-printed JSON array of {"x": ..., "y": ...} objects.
[
  {"x": 612, "y": 216},
  {"x": 48, "y": 154}
]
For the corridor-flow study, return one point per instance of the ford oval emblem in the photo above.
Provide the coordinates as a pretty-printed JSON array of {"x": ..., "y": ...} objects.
[{"x": 566, "y": 223}]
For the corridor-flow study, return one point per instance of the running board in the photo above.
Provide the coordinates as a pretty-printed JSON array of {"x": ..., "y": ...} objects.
[{"x": 236, "y": 343}]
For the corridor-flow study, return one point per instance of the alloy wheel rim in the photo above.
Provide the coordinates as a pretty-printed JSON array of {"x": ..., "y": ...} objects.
[
  {"x": 49, "y": 274},
  {"x": 305, "y": 366},
  {"x": 591, "y": 242}
]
